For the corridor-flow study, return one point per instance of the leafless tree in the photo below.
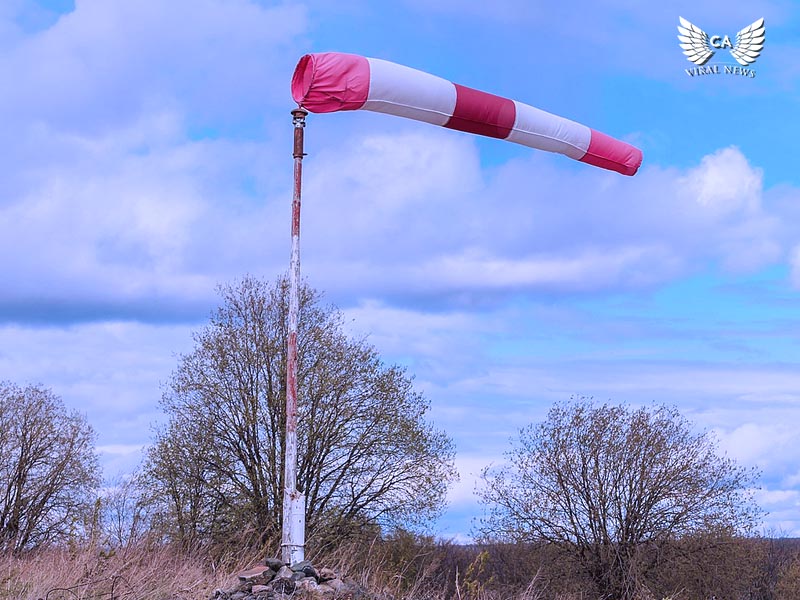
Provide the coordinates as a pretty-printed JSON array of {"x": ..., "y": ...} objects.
[
  {"x": 366, "y": 453},
  {"x": 126, "y": 520},
  {"x": 49, "y": 472},
  {"x": 614, "y": 486}
]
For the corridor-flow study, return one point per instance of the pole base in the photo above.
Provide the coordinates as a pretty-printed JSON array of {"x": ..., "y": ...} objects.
[{"x": 294, "y": 528}]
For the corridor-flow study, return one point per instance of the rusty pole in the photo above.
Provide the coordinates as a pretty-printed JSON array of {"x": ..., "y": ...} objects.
[{"x": 294, "y": 506}]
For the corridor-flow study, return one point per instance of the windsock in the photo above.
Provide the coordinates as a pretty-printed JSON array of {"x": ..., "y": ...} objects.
[{"x": 333, "y": 81}]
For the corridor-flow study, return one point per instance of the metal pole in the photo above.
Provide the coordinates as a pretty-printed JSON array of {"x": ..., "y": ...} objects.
[{"x": 294, "y": 510}]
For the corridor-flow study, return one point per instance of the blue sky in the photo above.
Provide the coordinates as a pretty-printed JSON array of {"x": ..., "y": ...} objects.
[{"x": 146, "y": 158}]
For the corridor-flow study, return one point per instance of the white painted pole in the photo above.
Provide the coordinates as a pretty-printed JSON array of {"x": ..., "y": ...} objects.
[{"x": 294, "y": 510}]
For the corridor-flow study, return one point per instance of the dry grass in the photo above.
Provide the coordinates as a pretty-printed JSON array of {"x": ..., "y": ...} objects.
[
  {"x": 405, "y": 570},
  {"x": 397, "y": 568},
  {"x": 401, "y": 569},
  {"x": 162, "y": 573},
  {"x": 140, "y": 573}
]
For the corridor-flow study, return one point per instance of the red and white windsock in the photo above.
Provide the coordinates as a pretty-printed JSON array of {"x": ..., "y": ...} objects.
[{"x": 333, "y": 81}]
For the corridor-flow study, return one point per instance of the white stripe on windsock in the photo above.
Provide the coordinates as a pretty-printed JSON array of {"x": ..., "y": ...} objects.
[
  {"x": 406, "y": 92},
  {"x": 541, "y": 129}
]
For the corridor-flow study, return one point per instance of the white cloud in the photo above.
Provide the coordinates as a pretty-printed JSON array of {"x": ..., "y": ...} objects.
[
  {"x": 771, "y": 445},
  {"x": 112, "y": 372},
  {"x": 110, "y": 203},
  {"x": 136, "y": 228},
  {"x": 109, "y": 59},
  {"x": 586, "y": 269},
  {"x": 469, "y": 470},
  {"x": 121, "y": 449},
  {"x": 782, "y": 511},
  {"x": 769, "y": 498},
  {"x": 414, "y": 214},
  {"x": 421, "y": 335},
  {"x": 725, "y": 183},
  {"x": 114, "y": 198}
]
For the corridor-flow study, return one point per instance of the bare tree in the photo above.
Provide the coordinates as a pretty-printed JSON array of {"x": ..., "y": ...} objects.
[
  {"x": 366, "y": 452},
  {"x": 49, "y": 472},
  {"x": 613, "y": 486},
  {"x": 126, "y": 519}
]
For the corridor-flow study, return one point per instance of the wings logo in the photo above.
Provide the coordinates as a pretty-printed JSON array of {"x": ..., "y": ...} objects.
[{"x": 699, "y": 47}]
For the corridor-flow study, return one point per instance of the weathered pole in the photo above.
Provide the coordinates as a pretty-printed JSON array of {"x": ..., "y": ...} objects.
[{"x": 294, "y": 506}]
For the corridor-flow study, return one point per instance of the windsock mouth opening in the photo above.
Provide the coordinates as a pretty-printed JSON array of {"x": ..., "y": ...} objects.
[
  {"x": 302, "y": 78},
  {"x": 330, "y": 81},
  {"x": 637, "y": 162}
]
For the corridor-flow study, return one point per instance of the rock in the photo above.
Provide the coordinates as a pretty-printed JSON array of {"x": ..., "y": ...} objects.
[
  {"x": 283, "y": 585},
  {"x": 299, "y": 566},
  {"x": 308, "y": 585},
  {"x": 325, "y": 590},
  {"x": 255, "y": 574},
  {"x": 335, "y": 584},
  {"x": 301, "y": 581},
  {"x": 351, "y": 590},
  {"x": 274, "y": 563}
]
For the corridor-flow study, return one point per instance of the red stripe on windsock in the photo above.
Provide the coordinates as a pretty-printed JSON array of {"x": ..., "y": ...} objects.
[
  {"x": 614, "y": 155},
  {"x": 482, "y": 113},
  {"x": 331, "y": 81}
]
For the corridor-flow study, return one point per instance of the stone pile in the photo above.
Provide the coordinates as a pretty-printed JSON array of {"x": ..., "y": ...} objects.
[{"x": 271, "y": 579}]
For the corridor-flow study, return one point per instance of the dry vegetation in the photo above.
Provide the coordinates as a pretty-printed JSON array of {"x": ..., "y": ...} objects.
[
  {"x": 135, "y": 574},
  {"x": 404, "y": 567}
]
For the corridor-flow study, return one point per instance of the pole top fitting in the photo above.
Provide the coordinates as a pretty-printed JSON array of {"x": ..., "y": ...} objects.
[{"x": 299, "y": 115}]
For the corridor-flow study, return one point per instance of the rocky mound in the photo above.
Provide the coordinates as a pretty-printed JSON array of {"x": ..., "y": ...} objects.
[{"x": 271, "y": 579}]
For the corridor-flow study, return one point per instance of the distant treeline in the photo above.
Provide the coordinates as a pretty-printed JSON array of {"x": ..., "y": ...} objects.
[{"x": 731, "y": 568}]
